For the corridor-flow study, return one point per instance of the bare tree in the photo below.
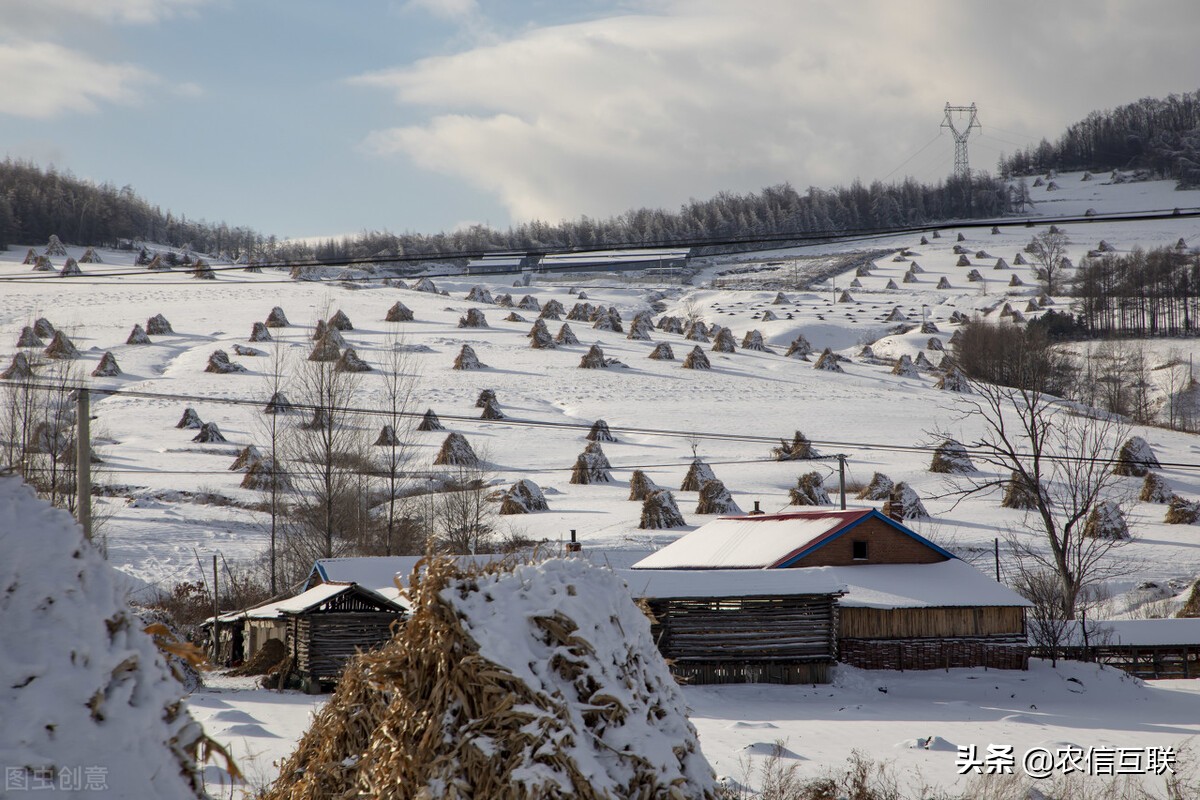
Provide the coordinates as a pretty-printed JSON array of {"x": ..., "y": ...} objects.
[
  {"x": 396, "y": 372},
  {"x": 1060, "y": 462},
  {"x": 1048, "y": 249},
  {"x": 455, "y": 512},
  {"x": 273, "y": 427},
  {"x": 326, "y": 454},
  {"x": 37, "y": 418}
]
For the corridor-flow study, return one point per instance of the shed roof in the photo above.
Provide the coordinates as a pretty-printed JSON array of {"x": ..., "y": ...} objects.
[
  {"x": 945, "y": 584},
  {"x": 309, "y": 600},
  {"x": 1136, "y": 632},
  {"x": 766, "y": 540},
  {"x": 651, "y": 255}
]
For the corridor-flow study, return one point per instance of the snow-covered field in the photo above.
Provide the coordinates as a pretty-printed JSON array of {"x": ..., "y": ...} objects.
[
  {"x": 156, "y": 528},
  {"x": 660, "y": 413},
  {"x": 913, "y": 721}
]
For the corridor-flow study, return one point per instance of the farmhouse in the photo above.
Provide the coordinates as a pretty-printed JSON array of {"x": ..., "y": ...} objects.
[{"x": 901, "y": 601}]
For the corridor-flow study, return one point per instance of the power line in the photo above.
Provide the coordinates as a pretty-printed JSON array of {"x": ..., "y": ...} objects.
[
  {"x": 979, "y": 451},
  {"x": 914, "y": 155}
]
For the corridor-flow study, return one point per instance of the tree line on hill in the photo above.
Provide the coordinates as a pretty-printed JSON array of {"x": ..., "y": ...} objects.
[
  {"x": 1161, "y": 135},
  {"x": 36, "y": 203},
  {"x": 775, "y": 211}
]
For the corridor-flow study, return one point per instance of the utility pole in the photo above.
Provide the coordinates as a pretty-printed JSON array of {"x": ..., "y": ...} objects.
[
  {"x": 83, "y": 463},
  {"x": 216, "y": 628},
  {"x": 954, "y": 118},
  {"x": 841, "y": 457}
]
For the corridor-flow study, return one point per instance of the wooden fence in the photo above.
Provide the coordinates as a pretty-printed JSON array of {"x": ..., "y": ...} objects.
[
  {"x": 1143, "y": 661},
  {"x": 1001, "y": 652}
]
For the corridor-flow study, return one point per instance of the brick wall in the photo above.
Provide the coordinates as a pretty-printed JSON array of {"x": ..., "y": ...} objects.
[{"x": 886, "y": 545}]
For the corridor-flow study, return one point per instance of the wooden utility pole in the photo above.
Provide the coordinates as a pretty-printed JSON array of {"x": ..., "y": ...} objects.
[
  {"x": 216, "y": 628},
  {"x": 841, "y": 457},
  {"x": 83, "y": 463}
]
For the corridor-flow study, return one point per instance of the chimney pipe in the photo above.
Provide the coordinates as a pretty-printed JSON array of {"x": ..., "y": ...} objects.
[
  {"x": 757, "y": 511},
  {"x": 574, "y": 546}
]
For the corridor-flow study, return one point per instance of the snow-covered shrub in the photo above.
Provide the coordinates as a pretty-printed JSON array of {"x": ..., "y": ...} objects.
[
  {"x": 809, "y": 491},
  {"x": 951, "y": 458},
  {"x": 659, "y": 511}
]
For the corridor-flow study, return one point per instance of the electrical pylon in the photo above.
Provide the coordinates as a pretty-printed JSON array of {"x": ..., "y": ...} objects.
[{"x": 955, "y": 114}]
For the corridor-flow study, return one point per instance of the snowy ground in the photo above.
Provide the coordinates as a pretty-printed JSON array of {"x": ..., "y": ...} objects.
[
  {"x": 156, "y": 528},
  {"x": 915, "y": 721}
]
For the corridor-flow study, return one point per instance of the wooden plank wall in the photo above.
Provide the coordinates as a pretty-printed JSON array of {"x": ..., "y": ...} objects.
[{"x": 930, "y": 623}]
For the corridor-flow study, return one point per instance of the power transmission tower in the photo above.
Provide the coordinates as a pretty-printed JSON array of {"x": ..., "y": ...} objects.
[{"x": 954, "y": 117}]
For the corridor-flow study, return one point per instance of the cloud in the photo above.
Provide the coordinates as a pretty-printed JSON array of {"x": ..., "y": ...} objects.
[
  {"x": 445, "y": 9},
  {"x": 42, "y": 80},
  {"x": 188, "y": 89},
  {"x": 46, "y": 16},
  {"x": 689, "y": 98}
]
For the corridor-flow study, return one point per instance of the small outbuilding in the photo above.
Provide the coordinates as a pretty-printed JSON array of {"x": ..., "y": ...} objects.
[{"x": 321, "y": 627}]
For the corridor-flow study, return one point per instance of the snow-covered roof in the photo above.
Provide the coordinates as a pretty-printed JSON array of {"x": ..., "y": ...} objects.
[
  {"x": 308, "y": 600},
  {"x": 601, "y": 256},
  {"x": 1137, "y": 632},
  {"x": 952, "y": 583},
  {"x": 373, "y": 572},
  {"x": 682, "y": 583},
  {"x": 381, "y": 573},
  {"x": 765, "y": 540},
  {"x": 506, "y": 260}
]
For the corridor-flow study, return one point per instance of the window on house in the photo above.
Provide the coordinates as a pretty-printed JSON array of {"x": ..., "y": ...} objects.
[{"x": 860, "y": 551}]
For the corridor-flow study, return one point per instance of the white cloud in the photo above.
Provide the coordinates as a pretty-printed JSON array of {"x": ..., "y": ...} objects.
[
  {"x": 42, "y": 77},
  {"x": 43, "y": 80},
  {"x": 689, "y": 98},
  {"x": 40, "y": 16},
  {"x": 188, "y": 89},
  {"x": 445, "y": 9}
]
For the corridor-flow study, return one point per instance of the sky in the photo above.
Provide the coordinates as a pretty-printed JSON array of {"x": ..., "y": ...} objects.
[{"x": 306, "y": 118}]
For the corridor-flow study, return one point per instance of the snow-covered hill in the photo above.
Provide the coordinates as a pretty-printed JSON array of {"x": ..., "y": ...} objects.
[
  {"x": 159, "y": 520},
  {"x": 157, "y": 523},
  {"x": 172, "y": 499}
]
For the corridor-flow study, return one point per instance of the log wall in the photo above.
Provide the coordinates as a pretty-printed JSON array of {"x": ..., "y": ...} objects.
[
  {"x": 322, "y": 643},
  {"x": 747, "y": 639}
]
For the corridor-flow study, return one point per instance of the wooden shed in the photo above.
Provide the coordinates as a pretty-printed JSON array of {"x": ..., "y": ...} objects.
[
  {"x": 733, "y": 626},
  {"x": 1146, "y": 648},
  {"x": 327, "y": 624},
  {"x": 907, "y": 603},
  {"x": 929, "y": 616}
]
